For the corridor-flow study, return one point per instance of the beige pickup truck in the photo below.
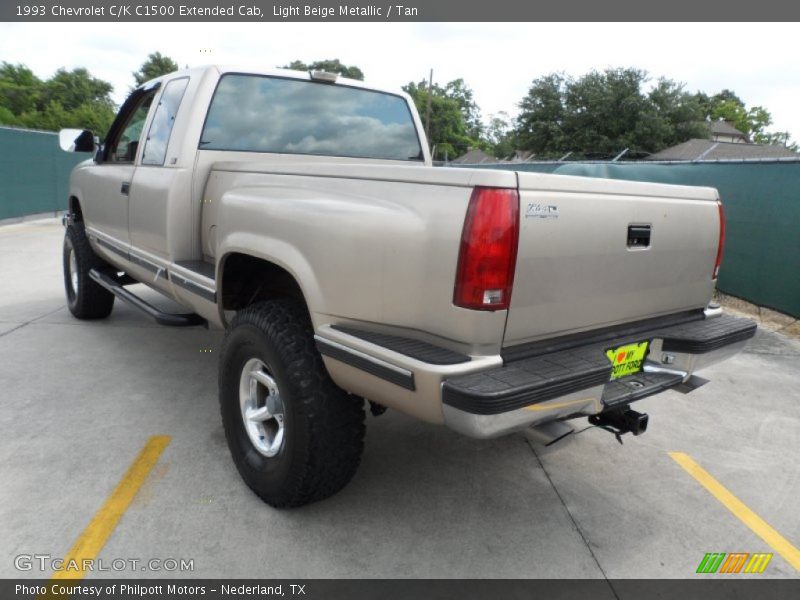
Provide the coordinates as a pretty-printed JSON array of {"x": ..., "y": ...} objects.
[{"x": 301, "y": 212}]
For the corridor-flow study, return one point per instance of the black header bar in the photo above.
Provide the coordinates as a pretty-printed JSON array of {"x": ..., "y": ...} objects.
[{"x": 401, "y": 11}]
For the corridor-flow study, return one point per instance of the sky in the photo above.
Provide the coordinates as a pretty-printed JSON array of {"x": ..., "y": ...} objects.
[{"x": 497, "y": 60}]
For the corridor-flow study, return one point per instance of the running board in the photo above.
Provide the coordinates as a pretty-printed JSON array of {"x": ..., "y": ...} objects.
[{"x": 163, "y": 318}]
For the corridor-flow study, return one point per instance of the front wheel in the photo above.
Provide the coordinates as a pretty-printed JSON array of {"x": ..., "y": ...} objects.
[
  {"x": 294, "y": 435},
  {"x": 86, "y": 298}
]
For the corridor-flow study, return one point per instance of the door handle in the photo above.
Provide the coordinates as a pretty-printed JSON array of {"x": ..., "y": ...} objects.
[
  {"x": 126, "y": 188},
  {"x": 638, "y": 236}
]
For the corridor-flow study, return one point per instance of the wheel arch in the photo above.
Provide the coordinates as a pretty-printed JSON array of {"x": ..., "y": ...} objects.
[
  {"x": 74, "y": 205},
  {"x": 245, "y": 278}
]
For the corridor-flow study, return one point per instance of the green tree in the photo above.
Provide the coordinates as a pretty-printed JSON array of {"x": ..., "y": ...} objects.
[
  {"x": 8, "y": 118},
  {"x": 156, "y": 65},
  {"x": 455, "y": 119},
  {"x": 459, "y": 91},
  {"x": 74, "y": 88},
  {"x": 331, "y": 66},
  {"x": 677, "y": 114},
  {"x": 68, "y": 99},
  {"x": 602, "y": 113},
  {"x": 707, "y": 102},
  {"x": 19, "y": 88},
  {"x": 753, "y": 121},
  {"x": 500, "y": 135},
  {"x": 92, "y": 116},
  {"x": 779, "y": 138},
  {"x": 540, "y": 123},
  {"x": 51, "y": 117},
  {"x": 74, "y": 99}
]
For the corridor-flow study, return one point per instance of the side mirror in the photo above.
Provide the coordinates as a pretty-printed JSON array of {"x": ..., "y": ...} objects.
[{"x": 76, "y": 140}]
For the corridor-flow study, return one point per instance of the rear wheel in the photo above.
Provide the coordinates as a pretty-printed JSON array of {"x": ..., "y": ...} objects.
[
  {"x": 86, "y": 298},
  {"x": 294, "y": 436}
]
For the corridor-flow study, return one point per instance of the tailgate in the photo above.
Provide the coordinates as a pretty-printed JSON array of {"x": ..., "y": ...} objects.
[{"x": 585, "y": 260}]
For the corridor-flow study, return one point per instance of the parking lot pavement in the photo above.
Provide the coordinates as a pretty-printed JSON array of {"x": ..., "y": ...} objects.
[{"x": 80, "y": 399}]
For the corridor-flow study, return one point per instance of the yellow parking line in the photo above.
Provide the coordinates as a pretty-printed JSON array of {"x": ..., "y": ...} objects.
[
  {"x": 758, "y": 525},
  {"x": 96, "y": 534}
]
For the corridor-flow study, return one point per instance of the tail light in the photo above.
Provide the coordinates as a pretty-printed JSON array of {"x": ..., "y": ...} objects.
[
  {"x": 488, "y": 255},
  {"x": 721, "y": 239}
]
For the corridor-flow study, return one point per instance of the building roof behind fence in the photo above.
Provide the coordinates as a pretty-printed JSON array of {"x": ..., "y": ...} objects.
[{"x": 698, "y": 149}]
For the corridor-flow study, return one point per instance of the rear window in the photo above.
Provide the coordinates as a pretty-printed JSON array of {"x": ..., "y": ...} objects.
[{"x": 251, "y": 113}]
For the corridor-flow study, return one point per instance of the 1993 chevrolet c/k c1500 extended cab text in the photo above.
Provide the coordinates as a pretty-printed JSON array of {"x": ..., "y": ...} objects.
[{"x": 301, "y": 212}]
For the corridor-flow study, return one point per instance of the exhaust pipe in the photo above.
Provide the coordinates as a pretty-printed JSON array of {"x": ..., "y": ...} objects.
[{"x": 621, "y": 421}]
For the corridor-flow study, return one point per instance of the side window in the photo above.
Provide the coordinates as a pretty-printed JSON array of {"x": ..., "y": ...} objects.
[
  {"x": 123, "y": 149},
  {"x": 155, "y": 147}
]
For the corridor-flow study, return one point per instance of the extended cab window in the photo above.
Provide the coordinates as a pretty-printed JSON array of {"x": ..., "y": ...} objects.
[
  {"x": 155, "y": 147},
  {"x": 251, "y": 113}
]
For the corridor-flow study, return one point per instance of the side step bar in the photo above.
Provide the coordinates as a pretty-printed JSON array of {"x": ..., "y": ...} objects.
[{"x": 114, "y": 286}]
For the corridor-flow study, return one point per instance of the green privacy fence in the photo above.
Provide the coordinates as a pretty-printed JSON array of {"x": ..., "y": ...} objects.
[
  {"x": 762, "y": 205},
  {"x": 762, "y": 208},
  {"x": 34, "y": 172}
]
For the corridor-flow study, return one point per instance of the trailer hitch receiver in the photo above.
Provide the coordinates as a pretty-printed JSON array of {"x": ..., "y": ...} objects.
[{"x": 620, "y": 422}]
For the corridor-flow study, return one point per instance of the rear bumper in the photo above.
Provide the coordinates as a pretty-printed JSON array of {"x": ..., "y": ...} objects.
[{"x": 575, "y": 380}]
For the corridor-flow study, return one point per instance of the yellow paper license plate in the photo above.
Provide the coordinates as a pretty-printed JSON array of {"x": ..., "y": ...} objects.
[{"x": 627, "y": 359}]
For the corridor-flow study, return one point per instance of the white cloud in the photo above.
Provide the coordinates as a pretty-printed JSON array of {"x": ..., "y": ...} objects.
[{"x": 756, "y": 60}]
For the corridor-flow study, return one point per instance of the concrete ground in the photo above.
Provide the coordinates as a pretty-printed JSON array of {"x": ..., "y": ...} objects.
[{"x": 80, "y": 399}]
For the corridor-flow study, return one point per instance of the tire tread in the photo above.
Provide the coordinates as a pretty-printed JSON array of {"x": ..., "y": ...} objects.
[
  {"x": 92, "y": 301},
  {"x": 333, "y": 419}
]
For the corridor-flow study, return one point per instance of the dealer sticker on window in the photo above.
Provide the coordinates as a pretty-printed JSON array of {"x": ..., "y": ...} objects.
[{"x": 627, "y": 359}]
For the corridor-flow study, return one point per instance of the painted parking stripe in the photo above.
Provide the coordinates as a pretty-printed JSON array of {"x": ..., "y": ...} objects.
[
  {"x": 758, "y": 525},
  {"x": 96, "y": 534}
]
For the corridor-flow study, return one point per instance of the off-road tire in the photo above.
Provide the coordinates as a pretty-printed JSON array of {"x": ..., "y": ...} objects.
[
  {"x": 90, "y": 300},
  {"x": 323, "y": 435}
]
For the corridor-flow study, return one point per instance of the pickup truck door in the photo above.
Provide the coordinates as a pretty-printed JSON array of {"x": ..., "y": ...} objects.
[
  {"x": 156, "y": 184},
  {"x": 108, "y": 182}
]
